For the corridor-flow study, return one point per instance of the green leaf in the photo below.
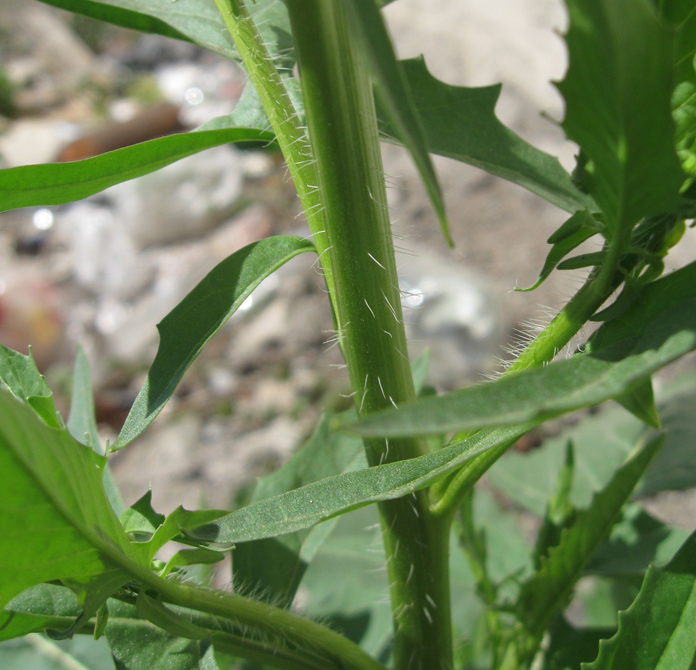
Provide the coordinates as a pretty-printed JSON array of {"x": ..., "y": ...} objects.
[
  {"x": 60, "y": 183},
  {"x": 186, "y": 557},
  {"x": 560, "y": 512},
  {"x": 637, "y": 541},
  {"x": 460, "y": 123},
  {"x": 193, "y": 322},
  {"x": 152, "y": 530},
  {"x": 140, "y": 518},
  {"x": 569, "y": 647},
  {"x": 548, "y": 590},
  {"x": 395, "y": 96},
  {"x": 652, "y": 333},
  {"x": 583, "y": 261},
  {"x": 542, "y": 393},
  {"x": 20, "y": 376},
  {"x": 617, "y": 92},
  {"x": 308, "y": 505},
  {"x": 119, "y": 15},
  {"x": 195, "y": 21},
  {"x": 138, "y": 644},
  {"x": 275, "y": 566},
  {"x": 38, "y": 608},
  {"x": 658, "y": 631},
  {"x": 639, "y": 399},
  {"x": 681, "y": 15},
  {"x": 578, "y": 228},
  {"x": 602, "y": 442},
  {"x": 352, "y": 604},
  {"x": 57, "y": 522},
  {"x": 82, "y": 423}
]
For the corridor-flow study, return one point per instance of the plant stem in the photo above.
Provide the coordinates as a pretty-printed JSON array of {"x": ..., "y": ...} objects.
[
  {"x": 308, "y": 638},
  {"x": 342, "y": 127},
  {"x": 284, "y": 120},
  {"x": 449, "y": 493}
]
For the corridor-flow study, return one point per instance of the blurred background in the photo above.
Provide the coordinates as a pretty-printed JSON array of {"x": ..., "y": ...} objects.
[{"x": 103, "y": 271}]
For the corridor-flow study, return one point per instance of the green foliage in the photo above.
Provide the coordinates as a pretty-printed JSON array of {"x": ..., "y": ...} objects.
[
  {"x": 58, "y": 523},
  {"x": 460, "y": 123},
  {"x": 193, "y": 322},
  {"x": 653, "y": 333},
  {"x": 624, "y": 124},
  {"x": 59, "y": 183},
  {"x": 657, "y": 631},
  {"x": 355, "y": 529},
  {"x": 547, "y": 590}
]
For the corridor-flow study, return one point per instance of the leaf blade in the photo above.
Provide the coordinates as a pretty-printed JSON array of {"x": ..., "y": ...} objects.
[
  {"x": 460, "y": 123},
  {"x": 56, "y": 510},
  {"x": 311, "y": 504},
  {"x": 622, "y": 55},
  {"x": 549, "y": 587},
  {"x": 654, "y": 332},
  {"x": 119, "y": 16},
  {"x": 193, "y": 322},
  {"x": 658, "y": 629},
  {"x": 61, "y": 183}
]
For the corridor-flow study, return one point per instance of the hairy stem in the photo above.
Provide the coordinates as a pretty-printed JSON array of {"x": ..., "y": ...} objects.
[
  {"x": 450, "y": 492},
  {"x": 284, "y": 120},
  {"x": 343, "y": 133},
  {"x": 309, "y": 640}
]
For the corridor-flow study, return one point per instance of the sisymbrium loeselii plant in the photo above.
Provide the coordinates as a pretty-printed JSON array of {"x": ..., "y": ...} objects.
[{"x": 463, "y": 589}]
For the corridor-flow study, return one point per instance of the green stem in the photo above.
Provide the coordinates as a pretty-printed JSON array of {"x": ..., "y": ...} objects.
[
  {"x": 225, "y": 634},
  {"x": 474, "y": 545},
  {"x": 449, "y": 493},
  {"x": 342, "y": 127},
  {"x": 308, "y": 638},
  {"x": 284, "y": 120}
]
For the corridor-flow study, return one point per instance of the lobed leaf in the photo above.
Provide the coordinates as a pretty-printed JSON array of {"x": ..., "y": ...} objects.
[
  {"x": 658, "y": 631},
  {"x": 547, "y": 591},
  {"x": 394, "y": 94},
  {"x": 60, "y": 183},
  {"x": 152, "y": 530},
  {"x": 460, "y": 123},
  {"x": 568, "y": 646},
  {"x": 617, "y": 93},
  {"x": 193, "y": 322}
]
